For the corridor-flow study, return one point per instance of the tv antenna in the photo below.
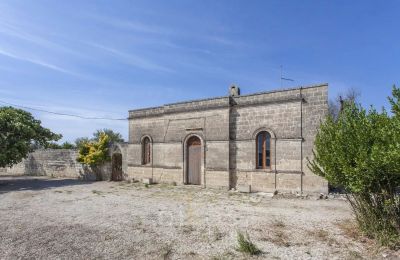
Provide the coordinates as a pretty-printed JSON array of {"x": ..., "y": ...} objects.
[{"x": 283, "y": 78}]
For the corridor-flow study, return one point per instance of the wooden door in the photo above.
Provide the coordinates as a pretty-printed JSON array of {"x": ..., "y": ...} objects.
[
  {"x": 116, "y": 164},
  {"x": 194, "y": 161}
]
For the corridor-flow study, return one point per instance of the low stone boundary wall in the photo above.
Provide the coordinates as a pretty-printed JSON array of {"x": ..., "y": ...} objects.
[{"x": 57, "y": 163}]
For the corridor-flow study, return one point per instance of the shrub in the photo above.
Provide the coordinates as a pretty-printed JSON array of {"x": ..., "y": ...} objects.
[
  {"x": 65, "y": 145},
  {"x": 245, "y": 245},
  {"x": 360, "y": 151},
  {"x": 94, "y": 153}
]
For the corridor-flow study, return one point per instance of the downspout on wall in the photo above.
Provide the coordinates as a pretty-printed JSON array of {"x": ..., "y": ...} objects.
[{"x": 301, "y": 141}]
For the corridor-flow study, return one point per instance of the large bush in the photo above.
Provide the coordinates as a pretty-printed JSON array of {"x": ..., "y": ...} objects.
[
  {"x": 20, "y": 133},
  {"x": 360, "y": 152}
]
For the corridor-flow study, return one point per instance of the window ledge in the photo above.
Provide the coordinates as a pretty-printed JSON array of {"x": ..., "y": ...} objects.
[{"x": 264, "y": 170}]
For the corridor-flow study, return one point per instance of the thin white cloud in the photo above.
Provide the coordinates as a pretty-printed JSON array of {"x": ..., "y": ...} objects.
[
  {"x": 16, "y": 32},
  {"x": 37, "y": 62},
  {"x": 129, "y": 24},
  {"x": 131, "y": 59},
  {"x": 162, "y": 30}
]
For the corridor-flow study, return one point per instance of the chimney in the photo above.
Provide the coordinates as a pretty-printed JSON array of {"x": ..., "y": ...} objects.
[{"x": 234, "y": 91}]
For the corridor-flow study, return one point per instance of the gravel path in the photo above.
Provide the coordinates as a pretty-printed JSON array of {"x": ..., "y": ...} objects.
[{"x": 64, "y": 219}]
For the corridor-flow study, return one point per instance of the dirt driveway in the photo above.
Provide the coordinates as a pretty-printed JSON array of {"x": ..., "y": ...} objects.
[{"x": 64, "y": 219}]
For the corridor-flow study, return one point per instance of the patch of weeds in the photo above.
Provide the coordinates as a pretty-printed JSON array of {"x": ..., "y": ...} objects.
[
  {"x": 68, "y": 191},
  {"x": 234, "y": 193},
  {"x": 353, "y": 255},
  {"x": 97, "y": 192},
  {"x": 280, "y": 239},
  {"x": 58, "y": 191},
  {"x": 245, "y": 245},
  {"x": 223, "y": 256},
  {"x": 350, "y": 229},
  {"x": 323, "y": 235},
  {"x": 166, "y": 251},
  {"x": 146, "y": 185},
  {"x": 217, "y": 234},
  {"x": 212, "y": 235},
  {"x": 187, "y": 229},
  {"x": 279, "y": 224},
  {"x": 320, "y": 234}
]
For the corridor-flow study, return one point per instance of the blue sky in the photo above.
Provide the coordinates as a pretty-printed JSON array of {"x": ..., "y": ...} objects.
[{"x": 102, "y": 58}]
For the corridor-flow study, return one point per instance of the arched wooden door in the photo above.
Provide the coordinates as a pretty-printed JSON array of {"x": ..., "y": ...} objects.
[
  {"x": 194, "y": 161},
  {"x": 116, "y": 163}
]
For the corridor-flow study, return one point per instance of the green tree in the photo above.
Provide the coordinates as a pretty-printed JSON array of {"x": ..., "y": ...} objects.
[
  {"x": 67, "y": 145},
  {"x": 334, "y": 105},
  {"x": 20, "y": 132},
  {"x": 360, "y": 151},
  {"x": 79, "y": 142},
  {"x": 114, "y": 137}
]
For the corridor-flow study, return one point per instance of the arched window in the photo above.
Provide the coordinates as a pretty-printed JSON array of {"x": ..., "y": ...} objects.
[
  {"x": 146, "y": 151},
  {"x": 263, "y": 150}
]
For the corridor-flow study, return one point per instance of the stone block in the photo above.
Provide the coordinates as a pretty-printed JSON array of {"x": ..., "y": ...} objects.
[
  {"x": 147, "y": 181},
  {"x": 244, "y": 188}
]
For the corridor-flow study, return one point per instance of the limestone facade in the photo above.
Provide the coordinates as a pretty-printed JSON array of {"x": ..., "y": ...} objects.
[{"x": 228, "y": 128}]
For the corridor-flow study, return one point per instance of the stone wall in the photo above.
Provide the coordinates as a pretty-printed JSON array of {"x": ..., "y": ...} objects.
[
  {"x": 168, "y": 128},
  {"x": 57, "y": 163},
  {"x": 292, "y": 118}
]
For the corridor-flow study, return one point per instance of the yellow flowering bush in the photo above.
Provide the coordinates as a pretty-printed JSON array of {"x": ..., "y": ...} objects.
[{"x": 94, "y": 152}]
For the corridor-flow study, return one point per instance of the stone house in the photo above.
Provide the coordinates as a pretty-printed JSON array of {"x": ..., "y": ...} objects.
[{"x": 259, "y": 141}]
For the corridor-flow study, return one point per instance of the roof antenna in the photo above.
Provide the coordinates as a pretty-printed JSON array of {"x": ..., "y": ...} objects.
[{"x": 282, "y": 78}]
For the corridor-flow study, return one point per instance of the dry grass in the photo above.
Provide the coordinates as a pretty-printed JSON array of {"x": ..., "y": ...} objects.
[
  {"x": 350, "y": 229},
  {"x": 187, "y": 229},
  {"x": 279, "y": 224},
  {"x": 323, "y": 235},
  {"x": 166, "y": 251},
  {"x": 280, "y": 238},
  {"x": 319, "y": 234}
]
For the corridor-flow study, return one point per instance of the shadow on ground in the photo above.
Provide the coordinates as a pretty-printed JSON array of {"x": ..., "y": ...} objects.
[{"x": 22, "y": 183}]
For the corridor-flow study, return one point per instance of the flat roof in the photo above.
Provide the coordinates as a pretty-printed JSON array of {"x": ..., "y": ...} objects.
[{"x": 220, "y": 97}]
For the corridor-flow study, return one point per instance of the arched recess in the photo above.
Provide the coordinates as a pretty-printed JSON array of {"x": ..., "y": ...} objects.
[
  {"x": 146, "y": 143},
  {"x": 116, "y": 165},
  {"x": 193, "y": 160},
  {"x": 265, "y": 149},
  {"x": 256, "y": 132}
]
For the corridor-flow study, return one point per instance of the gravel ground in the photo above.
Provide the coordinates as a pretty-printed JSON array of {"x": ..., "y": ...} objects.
[{"x": 64, "y": 219}]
